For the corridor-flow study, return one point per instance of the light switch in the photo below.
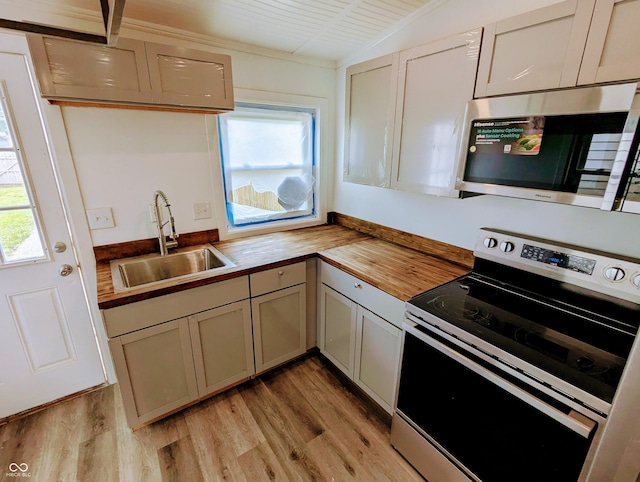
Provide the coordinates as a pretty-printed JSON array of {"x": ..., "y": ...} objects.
[
  {"x": 201, "y": 210},
  {"x": 100, "y": 218}
]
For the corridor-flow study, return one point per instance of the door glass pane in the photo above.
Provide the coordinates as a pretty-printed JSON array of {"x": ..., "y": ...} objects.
[
  {"x": 20, "y": 238},
  {"x": 5, "y": 137},
  {"x": 13, "y": 192}
]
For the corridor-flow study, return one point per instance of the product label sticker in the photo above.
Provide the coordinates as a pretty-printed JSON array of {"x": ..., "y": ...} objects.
[{"x": 519, "y": 136}]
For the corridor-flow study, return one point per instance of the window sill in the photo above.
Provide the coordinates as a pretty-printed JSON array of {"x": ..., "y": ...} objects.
[{"x": 227, "y": 232}]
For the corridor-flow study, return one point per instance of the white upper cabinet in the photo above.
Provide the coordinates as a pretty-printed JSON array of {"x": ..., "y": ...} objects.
[
  {"x": 189, "y": 77},
  {"x": 577, "y": 42},
  {"x": 612, "y": 52},
  {"x": 537, "y": 50},
  {"x": 403, "y": 113},
  {"x": 435, "y": 82},
  {"x": 133, "y": 74},
  {"x": 370, "y": 110},
  {"x": 68, "y": 69}
]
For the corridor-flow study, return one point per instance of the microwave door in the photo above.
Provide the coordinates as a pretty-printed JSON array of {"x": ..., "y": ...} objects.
[{"x": 582, "y": 151}]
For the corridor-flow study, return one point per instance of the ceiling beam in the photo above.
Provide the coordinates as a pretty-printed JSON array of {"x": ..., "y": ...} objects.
[
  {"x": 53, "y": 31},
  {"x": 112, "y": 19}
]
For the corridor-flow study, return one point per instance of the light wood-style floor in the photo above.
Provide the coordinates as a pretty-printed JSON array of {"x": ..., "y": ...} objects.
[{"x": 299, "y": 422}]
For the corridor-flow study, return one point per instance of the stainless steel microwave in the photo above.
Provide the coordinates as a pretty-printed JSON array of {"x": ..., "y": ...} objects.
[{"x": 572, "y": 146}]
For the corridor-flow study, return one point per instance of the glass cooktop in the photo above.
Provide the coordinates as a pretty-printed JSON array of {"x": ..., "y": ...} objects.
[{"x": 584, "y": 351}]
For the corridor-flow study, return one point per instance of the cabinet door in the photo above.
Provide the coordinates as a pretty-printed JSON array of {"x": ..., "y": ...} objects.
[
  {"x": 338, "y": 329},
  {"x": 279, "y": 326},
  {"x": 188, "y": 77},
  {"x": 155, "y": 370},
  {"x": 377, "y": 357},
  {"x": 222, "y": 346},
  {"x": 613, "y": 46},
  {"x": 68, "y": 69},
  {"x": 370, "y": 110},
  {"x": 537, "y": 50},
  {"x": 429, "y": 111}
]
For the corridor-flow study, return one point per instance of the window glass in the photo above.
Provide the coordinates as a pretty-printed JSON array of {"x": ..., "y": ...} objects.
[
  {"x": 268, "y": 159},
  {"x": 20, "y": 238}
]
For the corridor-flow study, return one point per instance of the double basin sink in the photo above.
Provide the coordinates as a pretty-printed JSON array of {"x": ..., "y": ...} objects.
[{"x": 153, "y": 269}]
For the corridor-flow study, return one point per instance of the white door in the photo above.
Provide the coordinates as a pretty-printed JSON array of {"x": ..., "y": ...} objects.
[{"x": 48, "y": 347}]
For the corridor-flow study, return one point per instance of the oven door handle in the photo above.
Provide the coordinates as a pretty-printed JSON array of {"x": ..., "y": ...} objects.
[{"x": 573, "y": 420}]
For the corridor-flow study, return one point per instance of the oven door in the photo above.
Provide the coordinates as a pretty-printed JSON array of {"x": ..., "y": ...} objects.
[{"x": 488, "y": 425}]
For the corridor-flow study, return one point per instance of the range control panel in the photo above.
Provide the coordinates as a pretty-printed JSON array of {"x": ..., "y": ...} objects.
[
  {"x": 557, "y": 258},
  {"x": 605, "y": 272}
]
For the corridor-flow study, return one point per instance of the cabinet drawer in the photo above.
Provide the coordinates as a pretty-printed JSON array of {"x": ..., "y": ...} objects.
[
  {"x": 277, "y": 278},
  {"x": 142, "y": 314},
  {"x": 388, "y": 307}
]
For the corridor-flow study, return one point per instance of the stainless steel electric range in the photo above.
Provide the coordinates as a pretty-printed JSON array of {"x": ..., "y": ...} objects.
[{"x": 509, "y": 373}]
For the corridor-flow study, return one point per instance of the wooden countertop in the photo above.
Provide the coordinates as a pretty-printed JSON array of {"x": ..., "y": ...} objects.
[{"x": 399, "y": 271}]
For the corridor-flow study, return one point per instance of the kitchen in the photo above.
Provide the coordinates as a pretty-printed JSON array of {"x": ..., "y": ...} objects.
[{"x": 150, "y": 146}]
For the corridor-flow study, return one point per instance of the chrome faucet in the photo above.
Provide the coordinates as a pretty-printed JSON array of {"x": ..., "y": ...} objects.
[{"x": 164, "y": 244}]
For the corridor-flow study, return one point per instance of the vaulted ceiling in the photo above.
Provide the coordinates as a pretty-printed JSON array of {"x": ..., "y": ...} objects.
[{"x": 323, "y": 29}]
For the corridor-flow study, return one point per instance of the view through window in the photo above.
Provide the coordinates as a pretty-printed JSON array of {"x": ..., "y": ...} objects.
[
  {"x": 20, "y": 238},
  {"x": 268, "y": 159}
]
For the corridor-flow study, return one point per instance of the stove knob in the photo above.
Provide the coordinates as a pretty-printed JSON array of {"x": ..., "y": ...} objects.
[
  {"x": 614, "y": 274},
  {"x": 506, "y": 246},
  {"x": 636, "y": 281},
  {"x": 490, "y": 242}
]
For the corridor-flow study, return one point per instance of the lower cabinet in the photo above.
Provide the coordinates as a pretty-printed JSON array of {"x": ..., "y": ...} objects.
[
  {"x": 222, "y": 345},
  {"x": 280, "y": 329},
  {"x": 378, "y": 344},
  {"x": 155, "y": 370},
  {"x": 172, "y": 350},
  {"x": 362, "y": 344},
  {"x": 338, "y": 315},
  {"x": 278, "y": 308}
]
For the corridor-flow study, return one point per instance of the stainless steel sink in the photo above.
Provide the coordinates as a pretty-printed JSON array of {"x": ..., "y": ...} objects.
[{"x": 152, "y": 269}]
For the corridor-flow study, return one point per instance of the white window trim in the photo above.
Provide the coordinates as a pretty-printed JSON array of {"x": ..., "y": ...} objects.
[{"x": 321, "y": 106}]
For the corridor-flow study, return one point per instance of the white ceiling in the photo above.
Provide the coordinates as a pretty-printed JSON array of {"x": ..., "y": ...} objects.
[{"x": 324, "y": 29}]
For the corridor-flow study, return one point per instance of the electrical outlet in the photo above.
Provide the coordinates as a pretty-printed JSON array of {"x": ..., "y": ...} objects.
[
  {"x": 152, "y": 213},
  {"x": 100, "y": 218},
  {"x": 201, "y": 210}
]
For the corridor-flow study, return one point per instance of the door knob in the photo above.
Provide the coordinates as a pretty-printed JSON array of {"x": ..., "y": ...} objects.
[{"x": 65, "y": 270}]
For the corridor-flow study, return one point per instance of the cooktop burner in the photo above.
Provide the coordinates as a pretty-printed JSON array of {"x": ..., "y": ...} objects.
[
  {"x": 457, "y": 308},
  {"x": 584, "y": 352}
]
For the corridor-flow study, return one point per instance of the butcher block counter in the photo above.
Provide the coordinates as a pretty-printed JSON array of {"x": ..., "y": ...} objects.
[{"x": 400, "y": 271}]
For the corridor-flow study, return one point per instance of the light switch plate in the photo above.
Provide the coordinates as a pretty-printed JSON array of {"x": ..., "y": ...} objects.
[
  {"x": 201, "y": 210},
  {"x": 100, "y": 218}
]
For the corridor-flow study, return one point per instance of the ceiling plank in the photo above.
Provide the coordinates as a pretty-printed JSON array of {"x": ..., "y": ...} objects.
[{"x": 113, "y": 20}]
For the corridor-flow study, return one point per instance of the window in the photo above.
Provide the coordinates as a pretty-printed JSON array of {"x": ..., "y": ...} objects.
[
  {"x": 20, "y": 237},
  {"x": 268, "y": 160}
]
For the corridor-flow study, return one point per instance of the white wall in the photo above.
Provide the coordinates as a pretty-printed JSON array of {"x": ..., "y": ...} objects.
[
  {"x": 117, "y": 158},
  {"x": 456, "y": 221},
  {"x": 122, "y": 156}
]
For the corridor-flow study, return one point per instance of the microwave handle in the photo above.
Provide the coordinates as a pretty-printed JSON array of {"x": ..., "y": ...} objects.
[{"x": 624, "y": 156}]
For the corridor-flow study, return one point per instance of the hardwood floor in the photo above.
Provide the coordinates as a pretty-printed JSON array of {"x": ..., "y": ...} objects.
[{"x": 299, "y": 422}]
